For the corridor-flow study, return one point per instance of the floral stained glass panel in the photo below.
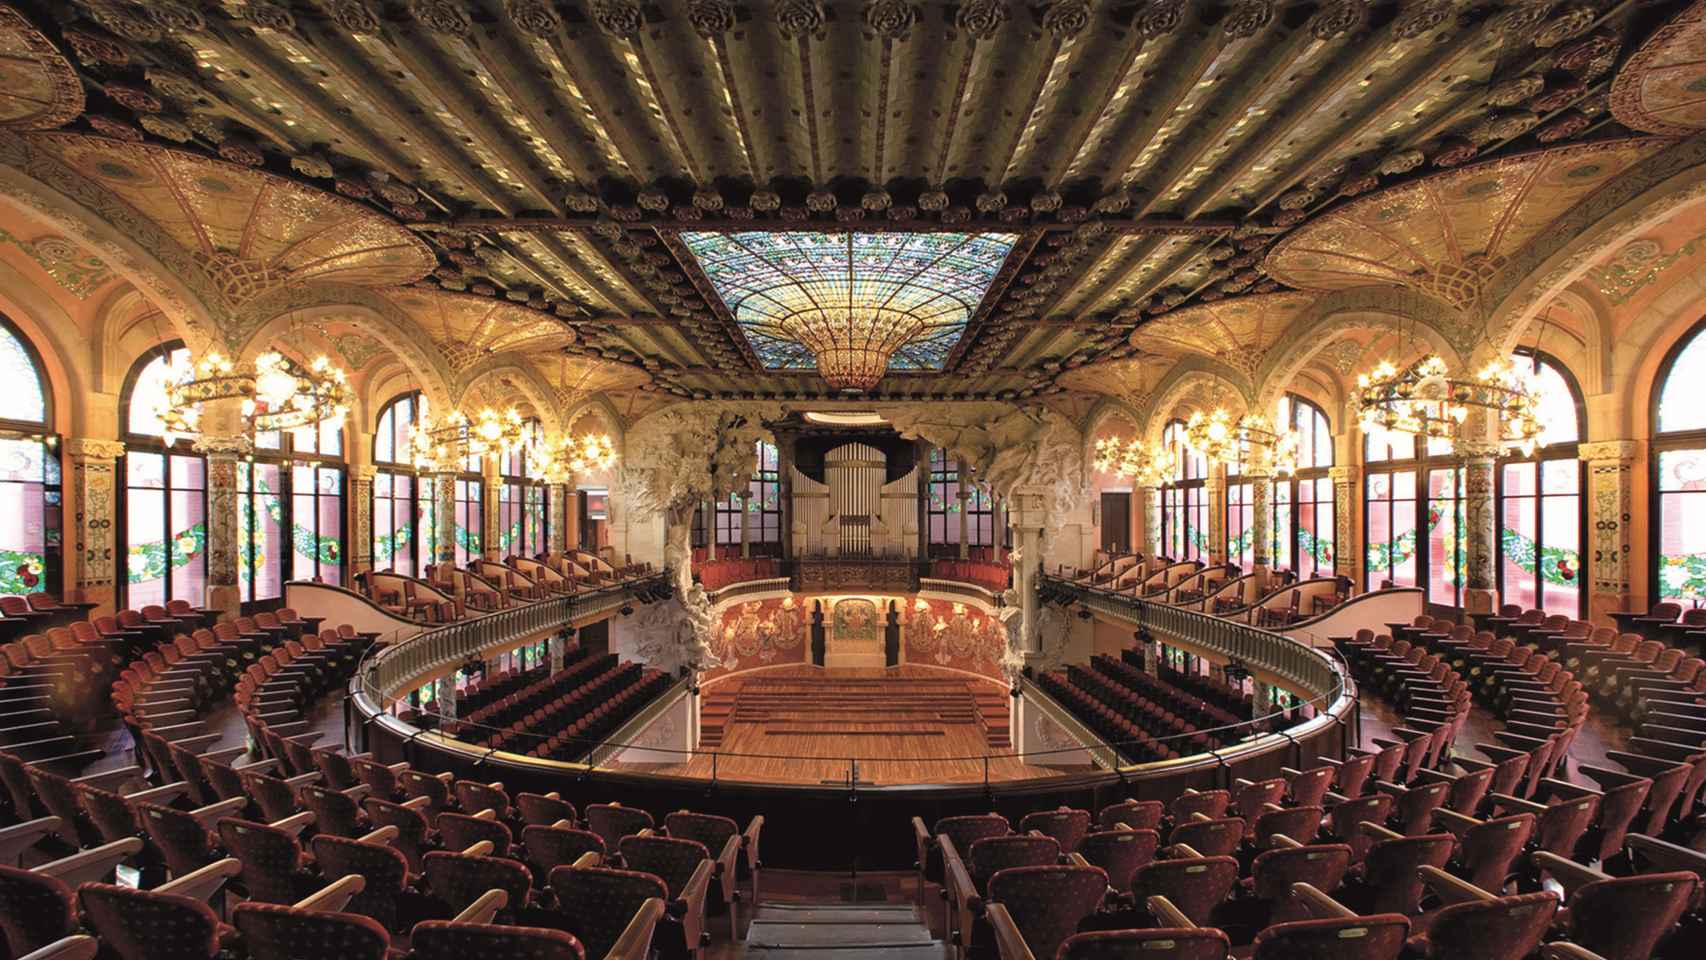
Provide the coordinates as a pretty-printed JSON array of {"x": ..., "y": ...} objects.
[
  {"x": 23, "y": 534},
  {"x": 764, "y": 278},
  {"x": 1680, "y": 403},
  {"x": 1682, "y": 522},
  {"x": 24, "y": 397}
]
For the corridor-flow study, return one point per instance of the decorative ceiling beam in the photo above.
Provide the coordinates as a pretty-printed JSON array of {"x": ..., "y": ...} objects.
[
  {"x": 778, "y": 225},
  {"x": 1176, "y": 83},
  {"x": 506, "y": 61}
]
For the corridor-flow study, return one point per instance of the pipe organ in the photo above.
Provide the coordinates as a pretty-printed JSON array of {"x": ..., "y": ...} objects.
[{"x": 854, "y": 513}]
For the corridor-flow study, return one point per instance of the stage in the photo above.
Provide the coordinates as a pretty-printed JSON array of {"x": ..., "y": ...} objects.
[{"x": 811, "y": 725}]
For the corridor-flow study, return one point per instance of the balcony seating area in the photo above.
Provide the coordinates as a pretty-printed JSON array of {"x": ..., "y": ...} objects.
[
  {"x": 992, "y": 576},
  {"x": 1146, "y": 718},
  {"x": 560, "y": 716},
  {"x": 448, "y": 593},
  {"x": 279, "y": 848},
  {"x": 724, "y": 567}
]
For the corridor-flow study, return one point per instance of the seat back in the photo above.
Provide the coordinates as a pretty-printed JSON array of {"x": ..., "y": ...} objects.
[
  {"x": 1211, "y": 838},
  {"x": 474, "y": 796},
  {"x": 1346, "y": 814},
  {"x": 449, "y": 940},
  {"x": 461, "y": 831},
  {"x": 272, "y": 795},
  {"x": 1505, "y": 928},
  {"x": 1066, "y": 825},
  {"x": 111, "y": 814},
  {"x": 181, "y": 839},
  {"x": 334, "y": 812},
  {"x": 1618, "y": 807},
  {"x": 551, "y": 847},
  {"x": 35, "y": 909},
  {"x": 1209, "y": 803},
  {"x": 1047, "y": 903},
  {"x": 457, "y": 879},
  {"x": 417, "y": 784},
  {"x": 278, "y": 932},
  {"x": 612, "y": 822},
  {"x": 1379, "y": 937},
  {"x": 992, "y": 854},
  {"x": 1562, "y": 825},
  {"x": 1309, "y": 788},
  {"x": 596, "y": 903},
  {"x": 1487, "y": 849},
  {"x": 144, "y": 925},
  {"x": 411, "y": 827},
  {"x": 1136, "y": 814},
  {"x": 271, "y": 859},
  {"x": 1162, "y": 943},
  {"x": 383, "y": 868},
  {"x": 1196, "y": 885},
  {"x": 1322, "y": 867},
  {"x": 1119, "y": 853},
  {"x": 712, "y": 832},
  {"x": 1624, "y": 918},
  {"x": 1298, "y": 823},
  {"x": 540, "y": 810},
  {"x": 671, "y": 860},
  {"x": 1250, "y": 800},
  {"x": 1390, "y": 869}
]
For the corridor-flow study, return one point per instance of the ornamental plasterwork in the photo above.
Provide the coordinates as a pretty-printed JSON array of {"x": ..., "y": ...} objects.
[
  {"x": 1608, "y": 450},
  {"x": 1662, "y": 87},
  {"x": 73, "y": 268},
  {"x": 39, "y": 89},
  {"x": 1635, "y": 266},
  {"x": 1345, "y": 356},
  {"x": 1448, "y": 234}
]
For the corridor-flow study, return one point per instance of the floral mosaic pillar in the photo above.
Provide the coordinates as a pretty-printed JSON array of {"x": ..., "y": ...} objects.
[
  {"x": 1480, "y": 534},
  {"x": 1215, "y": 490},
  {"x": 1347, "y": 534},
  {"x": 1027, "y": 513},
  {"x": 557, "y": 495},
  {"x": 491, "y": 522},
  {"x": 1149, "y": 500},
  {"x": 745, "y": 524},
  {"x": 93, "y": 577},
  {"x": 1261, "y": 524},
  {"x": 222, "y": 452},
  {"x": 361, "y": 520},
  {"x": 444, "y": 515},
  {"x": 1610, "y": 498}
]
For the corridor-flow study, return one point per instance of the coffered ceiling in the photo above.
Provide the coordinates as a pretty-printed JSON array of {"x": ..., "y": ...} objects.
[{"x": 1146, "y": 155}]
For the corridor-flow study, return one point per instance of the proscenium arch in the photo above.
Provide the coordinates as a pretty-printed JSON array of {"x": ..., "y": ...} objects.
[
  {"x": 1360, "y": 308},
  {"x": 395, "y": 330},
  {"x": 1649, "y": 193},
  {"x": 527, "y": 380}
]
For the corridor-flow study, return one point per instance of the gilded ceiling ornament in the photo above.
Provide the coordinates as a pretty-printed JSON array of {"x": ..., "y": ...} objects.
[
  {"x": 91, "y": 47},
  {"x": 902, "y": 213},
  {"x": 711, "y": 17},
  {"x": 176, "y": 17},
  {"x": 126, "y": 22},
  {"x": 166, "y": 128},
  {"x": 442, "y": 16},
  {"x": 1067, "y": 18},
  {"x": 1454, "y": 151},
  {"x": 981, "y": 18},
  {"x": 619, "y": 18},
  {"x": 135, "y": 98},
  {"x": 799, "y": 18},
  {"x": 1421, "y": 17},
  {"x": 876, "y": 200},
  {"x": 956, "y": 215},
  {"x": 1599, "y": 66},
  {"x": 1517, "y": 20},
  {"x": 934, "y": 201},
  {"x": 1559, "y": 96},
  {"x": 580, "y": 201},
  {"x": 353, "y": 15},
  {"x": 1344, "y": 356},
  {"x": 1159, "y": 18},
  {"x": 1047, "y": 201},
  {"x": 242, "y": 150},
  {"x": 1358, "y": 184},
  {"x": 536, "y": 17},
  {"x": 890, "y": 19},
  {"x": 1403, "y": 161},
  {"x": 1290, "y": 218},
  {"x": 270, "y": 16},
  {"x": 114, "y": 128},
  {"x": 820, "y": 201},
  {"x": 991, "y": 201},
  {"x": 395, "y": 192},
  {"x": 1567, "y": 124},
  {"x": 1503, "y": 126},
  {"x": 705, "y": 199},
  {"x": 311, "y": 165},
  {"x": 765, "y": 201},
  {"x": 653, "y": 200},
  {"x": 1570, "y": 22},
  {"x": 354, "y": 189},
  {"x": 1247, "y": 18},
  {"x": 1296, "y": 199},
  {"x": 173, "y": 86},
  {"x": 1338, "y": 17},
  {"x": 1116, "y": 202},
  {"x": 1509, "y": 93}
]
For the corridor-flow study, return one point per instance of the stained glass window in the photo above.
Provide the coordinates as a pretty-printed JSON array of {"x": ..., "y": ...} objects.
[
  {"x": 764, "y": 278},
  {"x": 30, "y": 504},
  {"x": 1680, "y": 464},
  {"x": 1445, "y": 537},
  {"x": 260, "y": 531},
  {"x": 1240, "y": 525},
  {"x": 763, "y": 506},
  {"x": 1391, "y": 523},
  {"x": 165, "y": 528},
  {"x": 1540, "y": 505},
  {"x": 148, "y": 391},
  {"x": 1680, "y": 400},
  {"x": 470, "y": 516},
  {"x": 26, "y": 395}
]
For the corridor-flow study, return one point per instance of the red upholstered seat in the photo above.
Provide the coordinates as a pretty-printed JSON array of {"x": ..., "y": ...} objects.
[
  {"x": 1504, "y": 928},
  {"x": 35, "y": 909},
  {"x": 1136, "y": 814},
  {"x": 1211, "y": 838},
  {"x": 457, "y": 880},
  {"x": 141, "y": 925},
  {"x": 596, "y": 903},
  {"x": 271, "y": 858},
  {"x": 992, "y": 854},
  {"x": 1119, "y": 853},
  {"x": 448, "y": 940},
  {"x": 1624, "y": 918},
  {"x": 461, "y": 831},
  {"x": 1196, "y": 885},
  {"x": 279, "y": 932},
  {"x": 667, "y": 858},
  {"x": 411, "y": 824},
  {"x": 1274, "y": 871},
  {"x": 1209, "y": 803},
  {"x": 1065, "y": 825},
  {"x": 613, "y": 822},
  {"x": 540, "y": 810},
  {"x": 1389, "y": 882},
  {"x": 551, "y": 847},
  {"x": 1380, "y": 937},
  {"x": 1163, "y": 943},
  {"x": 473, "y": 796},
  {"x": 383, "y": 868},
  {"x": 1048, "y": 902}
]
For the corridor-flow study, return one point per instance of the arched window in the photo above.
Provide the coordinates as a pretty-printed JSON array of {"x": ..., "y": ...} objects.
[
  {"x": 405, "y": 531},
  {"x": 30, "y": 481},
  {"x": 1302, "y": 522},
  {"x": 1401, "y": 488},
  {"x": 1679, "y": 468},
  {"x": 942, "y": 511},
  {"x": 521, "y": 501},
  {"x": 164, "y": 509},
  {"x": 1540, "y": 503},
  {"x": 1184, "y": 502}
]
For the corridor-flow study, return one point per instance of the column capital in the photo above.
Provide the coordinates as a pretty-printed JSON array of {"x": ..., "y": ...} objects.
[
  {"x": 364, "y": 474},
  {"x": 1344, "y": 474},
  {"x": 1468, "y": 450},
  {"x": 1609, "y": 450},
  {"x": 227, "y": 445},
  {"x": 91, "y": 449}
]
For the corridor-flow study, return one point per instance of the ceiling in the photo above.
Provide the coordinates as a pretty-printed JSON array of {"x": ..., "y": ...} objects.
[{"x": 1168, "y": 170}]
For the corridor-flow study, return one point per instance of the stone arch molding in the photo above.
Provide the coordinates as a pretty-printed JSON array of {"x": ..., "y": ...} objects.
[
  {"x": 527, "y": 380},
  {"x": 1650, "y": 193},
  {"x": 1106, "y": 409},
  {"x": 1361, "y": 308},
  {"x": 600, "y": 405},
  {"x": 1190, "y": 374},
  {"x": 273, "y": 312},
  {"x": 131, "y": 244}
]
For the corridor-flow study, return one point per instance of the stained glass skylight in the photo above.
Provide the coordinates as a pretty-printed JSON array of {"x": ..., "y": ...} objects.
[{"x": 918, "y": 287}]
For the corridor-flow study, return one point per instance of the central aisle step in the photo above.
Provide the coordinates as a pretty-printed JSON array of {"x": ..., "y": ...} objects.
[{"x": 840, "y": 932}]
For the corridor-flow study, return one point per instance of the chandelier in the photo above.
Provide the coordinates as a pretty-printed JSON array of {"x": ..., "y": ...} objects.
[
  {"x": 213, "y": 378},
  {"x": 559, "y": 461},
  {"x": 289, "y": 399},
  {"x": 497, "y": 432},
  {"x": 1147, "y": 464},
  {"x": 1424, "y": 400},
  {"x": 852, "y": 344},
  {"x": 441, "y": 443},
  {"x": 1251, "y": 440}
]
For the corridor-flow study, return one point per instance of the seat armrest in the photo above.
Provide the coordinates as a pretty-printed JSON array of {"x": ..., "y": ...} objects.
[
  {"x": 294, "y": 825},
  {"x": 1508, "y": 802},
  {"x": 1319, "y": 904},
  {"x": 696, "y": 887},
  {"x": 1009, "y": 943},
  {"x": 1570, "y": 874},
  {"x": 161, "y": 795},
  {"x": 17, "y": 838},
  {"x": 384, "y": 836},
  {"x": 202, "y": 884},
  {"x": 1450, "y": 889},
  {"x": 1606, "y": 777},
  {"x": 74, "y": 947},
  {"x": 636, "y": 938},
  {"x": 93, "y": 865},
  {"x": 1565, "y": 950},
  {"x": 112, "y": 779},
  {"x": 1378, "y": 831},
  {"x": 211, "y": 814},
  {"x": 956, "y": 878},
  {"x": 334, "y": 896},
  {"x": 1168, "y": 915}
]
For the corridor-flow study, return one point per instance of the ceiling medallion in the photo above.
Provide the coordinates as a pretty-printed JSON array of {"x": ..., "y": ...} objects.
[
  {"x": 442, "y": 16},
  {"x": 619, "y": 18},
  {"x": 711, "y": 17},
  {"x": 1247, "y": 18},
  {"x": 1067, "y": 18},
  {"x": 889, "y": 19},
  {"x": 1338, "y": 17},
  {"x": 353, "y": 15},
  {"x": 1423, "y": 400},
  {"x": 537, "y": 18},
  {"x": 798, "y": 19}
]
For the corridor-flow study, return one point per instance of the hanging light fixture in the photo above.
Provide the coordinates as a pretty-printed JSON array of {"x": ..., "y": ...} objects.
[
  {"x": 1425, "y": 401},
  {"x": 290, "y": 399},
  {"x": 440, "y": 443},
  {"x": 494, "y": 431},
  {"x": 1251, "y": 440},
  {"x": 213, "y": 378},
  {"x": 852, "y": 343},
  {"x": 560, "y": 460},
  {"x": 1146, "y": 464}
]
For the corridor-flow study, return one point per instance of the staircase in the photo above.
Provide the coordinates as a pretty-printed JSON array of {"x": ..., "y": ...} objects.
[
  {"x": 838, "y": 931},
  {"x": 995, "y": 708},
  {"x": 855, "y": 706}
]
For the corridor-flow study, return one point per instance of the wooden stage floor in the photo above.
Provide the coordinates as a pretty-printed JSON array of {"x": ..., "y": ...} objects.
[{"x": 810, "y": 725}]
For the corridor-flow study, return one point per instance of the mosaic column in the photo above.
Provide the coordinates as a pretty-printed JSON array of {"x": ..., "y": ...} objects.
[
  {"x": 1261, "y": 524},
  {"x": 1610, "y": 501},
  {"x": 1347, "y": 534},
  {"x": 222, "y": 452},
  {"x": 444, "y": 516},
  {"x": 1149, "y": 503},
  {"x": 1027, "y": 513},
  {"x": 557, "y": 497},
  {"x": 1480, "y": 534},
  {"x": 490, "y": 521},
  {"x": 963, "y": 499},
  {"x": 745, "y": 524},
  {"x": 361, "y": 522},
  {"x": 93, "y": 574},
  {"x": 1214, "y": 488}
]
